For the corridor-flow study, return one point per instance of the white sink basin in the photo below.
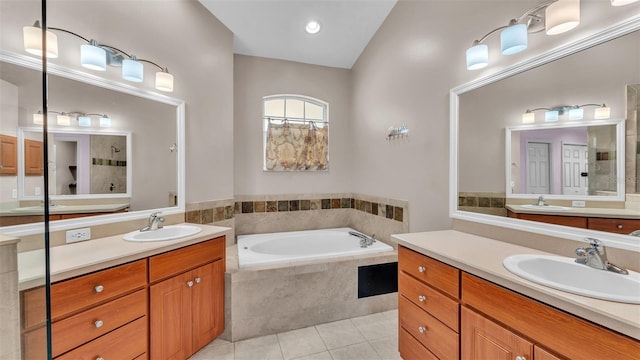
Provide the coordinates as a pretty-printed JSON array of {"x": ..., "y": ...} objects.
[
  {"x": 170, "y": 232},
  {"x": 565, "y": 274},
  {"x": 546, "y": 207}
]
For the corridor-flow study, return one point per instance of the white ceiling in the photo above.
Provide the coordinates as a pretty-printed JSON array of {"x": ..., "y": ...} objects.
[{"x": 275, "y": 29}]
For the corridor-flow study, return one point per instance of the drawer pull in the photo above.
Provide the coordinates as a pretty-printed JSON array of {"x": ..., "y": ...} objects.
[
  {"x": 189, "y": 283},
  {"x": 422, "y": 298},
  {"x": 422, "y": 269},
  {"x": 422, "y": 330},
  {"x": 520, "y": 357},
  {"x": 99, "y": 288},
  {"x": 98, "y": 323},
  {"x": 198, "y": 280},
  {"x": 620, "y": 226}
]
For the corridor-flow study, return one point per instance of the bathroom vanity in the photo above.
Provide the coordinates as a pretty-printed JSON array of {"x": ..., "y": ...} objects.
[
  {"x": 457, "y": 301},
  {"x": 111, "y": 298}
]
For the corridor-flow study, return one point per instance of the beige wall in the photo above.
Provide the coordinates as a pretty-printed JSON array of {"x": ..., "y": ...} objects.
[
  {"x": 255, "y": 78},
  {"x": 404, "y": 76}
]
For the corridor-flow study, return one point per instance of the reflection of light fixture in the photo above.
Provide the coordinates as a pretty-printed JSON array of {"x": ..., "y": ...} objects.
[
  {"x": 622, "y": 2},
  {"x": 96, "y": 56},
  {"x": 575, "y": 112},
  {"x": 38, "y": 118},
  {"x": 84, "y": 120},
  {"x": 63, "y": 119},
  {"x": 312, "y": 27},
  {"x": 105, "y": 121},
  {"x": 514, "y": 36}
]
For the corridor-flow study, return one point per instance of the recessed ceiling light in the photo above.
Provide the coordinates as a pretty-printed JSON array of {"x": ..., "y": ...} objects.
[{"x": 312, "y": 27}]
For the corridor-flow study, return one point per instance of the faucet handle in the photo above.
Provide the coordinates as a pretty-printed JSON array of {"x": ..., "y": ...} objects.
[{"x": 595, "y": 243}]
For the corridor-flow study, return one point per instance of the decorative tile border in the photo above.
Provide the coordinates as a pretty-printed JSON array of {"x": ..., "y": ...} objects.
[
  {"x": 484, "y": 200},
  {"x": 209, "y": 215},
  {"x": 108, "y": 162}
]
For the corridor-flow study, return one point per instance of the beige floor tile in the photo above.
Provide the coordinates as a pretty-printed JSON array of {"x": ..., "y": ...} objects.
[
  {"x": 301, "y": 342},
  {"x": 319, "y": 356},
  {"x": 362, "y": 351},
  {"x": 386, "y": 347},
  {"x": 260, "y": 348},
  {"x": 339, "y": 334},
  {"x": 221, "y": 352},
  {"x": 376, "y": 325}
]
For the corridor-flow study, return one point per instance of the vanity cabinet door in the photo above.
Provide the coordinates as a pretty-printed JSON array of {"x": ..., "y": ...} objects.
[
  {"x": 33, "y": 157},
  {"x": 484, "y": 339},
  {"x": 8, "y": 155},
  {"x": 208, "y": 303}
]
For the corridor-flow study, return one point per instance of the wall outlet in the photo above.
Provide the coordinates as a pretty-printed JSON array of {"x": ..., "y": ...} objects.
[
  {"x": 38, "y": 191},
  {"x": 578, "y": 203},
  {"x": 14, "y": 193},
  {"x": 78, "y": 235}
]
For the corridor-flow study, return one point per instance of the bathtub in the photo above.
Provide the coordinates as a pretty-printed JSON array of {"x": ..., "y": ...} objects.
[{"x": 292, "y": 246}]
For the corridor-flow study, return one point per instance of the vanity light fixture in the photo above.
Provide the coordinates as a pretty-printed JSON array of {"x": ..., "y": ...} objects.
[
  {"x": 105, "y": 121},
  {"x": 559, "y": 15},
  {"x": 622, "y": 2},
  {"x": 64, "y": 118},
  {"x": 38, "y": 118},
  {"x": 312, "y": 27},
  {"x": 96, "y": 56},
  {"x": 575, "y": 112}
]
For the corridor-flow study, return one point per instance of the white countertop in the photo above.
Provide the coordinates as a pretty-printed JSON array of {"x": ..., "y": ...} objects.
[
  {"x": 63, "y": 209},
  {"x": 483, "y": 257},
  {"x": 84, "y": 257},
  {"x": 578, "y": 211}
]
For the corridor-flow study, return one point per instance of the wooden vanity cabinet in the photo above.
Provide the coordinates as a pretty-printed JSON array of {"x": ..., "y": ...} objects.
[
  {"x": 186, "y": 299},
  {"x": 8, "y": 155},
  {"x": 612, "y": 225},
  {"x": 494, "y": 322}
]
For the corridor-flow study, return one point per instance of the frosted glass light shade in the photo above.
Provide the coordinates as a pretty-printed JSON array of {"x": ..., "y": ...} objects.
[
  {"x": 93, "y": 57},
  {"x": 513, "y": 39},
  {"x": 312, "y": 27},
  {"x": 602, "y": 113},
  {"x": 38, "y": 118},
  {"x": 528, "y": 118},
  {"x": 622, "y": 2},
  {"x": 32, "y": 37},
  {"x": 84, "y": 121},
  {"x": 164, "y": 81},
  {"x": 63, "y": 120},
  {"x": 105, "y": 121},
  {"x": 551, "y": 116},
  {"x": 576, "y": 114},
  {"x": 132, "y": 70},
  {"x": 477, "y": 57},
  {"x": 562, "y": 16}
]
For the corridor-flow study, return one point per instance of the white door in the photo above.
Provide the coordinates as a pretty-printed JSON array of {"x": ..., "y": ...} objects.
[
  {"x": 574, "y": 169},
  {"x": 538, "y": 168}
]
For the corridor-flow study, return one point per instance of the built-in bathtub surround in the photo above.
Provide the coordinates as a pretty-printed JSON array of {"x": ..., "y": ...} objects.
[{"x": 482, "y": 202}]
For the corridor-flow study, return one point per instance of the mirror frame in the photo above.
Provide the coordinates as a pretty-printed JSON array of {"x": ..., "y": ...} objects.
[
  {"x": 58, "y": 225},
  {"x": 614, "y": 240},
  {"x": 620, "y": 160}
]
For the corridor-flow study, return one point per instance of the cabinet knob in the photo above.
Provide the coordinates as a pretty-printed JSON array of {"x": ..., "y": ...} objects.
[
  {"x": 422, "y": 298},
  {"x": 98, "y": 323},
  {"x": 620, "y": 226},
  {"x": 198, "y": 280},
  {"x": 422, "y": 329},
  {"x": 189, "y": 283},
  {"x": 99, "y": 288},
  {"x": 99, "y": 358},
  {"x": 520, "y": 357},
  {"x": 422, "y": 269}
]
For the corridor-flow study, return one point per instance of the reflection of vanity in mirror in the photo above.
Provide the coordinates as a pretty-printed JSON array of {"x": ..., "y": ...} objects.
[
  {"x": 573, "y": 171},
  {"x": 105, "y": 129}
]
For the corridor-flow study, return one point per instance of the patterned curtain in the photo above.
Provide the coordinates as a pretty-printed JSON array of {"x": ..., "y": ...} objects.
[{"x": 297, "y": 147}]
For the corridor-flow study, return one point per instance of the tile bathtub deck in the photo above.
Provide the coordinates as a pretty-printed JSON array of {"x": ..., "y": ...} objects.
[{"x": 370, "y": 337}]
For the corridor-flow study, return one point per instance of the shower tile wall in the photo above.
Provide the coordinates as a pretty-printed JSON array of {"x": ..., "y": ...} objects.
[
  {"x": 632, "y": 149},
  {"x": 108, "y": 164}
]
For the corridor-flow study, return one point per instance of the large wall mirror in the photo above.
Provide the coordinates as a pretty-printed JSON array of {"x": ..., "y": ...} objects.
[
  {"x": 116, "y": 153},
  {"x": 603, "y": 68}
]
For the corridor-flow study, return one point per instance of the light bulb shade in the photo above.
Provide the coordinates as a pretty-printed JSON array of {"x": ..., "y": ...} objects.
[
  {"x": 93, "y": 57},
  {"x": 528, "y": 118},
  {"x": 513, "y": 39},
  {"x": 32, "y": 37},
  {"x": 562, "y": 16},
  {"x": 622, "y": 2},
  {"x": 602, "y": 113},
  {"x": 84, "y": 121},
  {"x": 551, "y": 116},
  {"x": 312, "y": 27},
  {"x": 105, "y": 121},
  {"x": 63, "y": 120},
  {"x": 132, "y": 70},
  {"x": 38, "y": 118},
  {"x": 164, "y": 81},
  {"x": 477, "y": 57},
  {"x": 576, "y": 114}
]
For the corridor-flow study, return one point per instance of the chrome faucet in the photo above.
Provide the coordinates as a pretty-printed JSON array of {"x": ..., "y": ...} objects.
[
  {"x": 595, "y": 256},
  {"x": 541, "y": 201},
  {"x": 154, "y": 222},
  {"x": 364, "y": 239}
]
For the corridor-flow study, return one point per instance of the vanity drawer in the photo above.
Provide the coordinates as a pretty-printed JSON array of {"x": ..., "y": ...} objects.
[
  {"x": 440, "y": 306},
  {"x": 434, "y": 335},
  {"x": 439, "y": 275},
  {"x": 411, "y": 349},
  {"x": 178, "y": 261},
  {"x": 79, "y": 293},
  {"x": 127, "y": 342},
  {"x": 83, "y": 327},
  {"x": 618, "y": 226}
]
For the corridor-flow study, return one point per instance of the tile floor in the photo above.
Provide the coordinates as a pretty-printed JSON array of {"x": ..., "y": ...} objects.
[{"x": 370, "y": 337}]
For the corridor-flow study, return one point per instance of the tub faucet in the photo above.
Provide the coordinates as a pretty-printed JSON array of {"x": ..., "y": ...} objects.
[
  {"x": 595, "y": 256},
  {"x": 364, "y": 239},
  {"x": 154, "y": 222}
]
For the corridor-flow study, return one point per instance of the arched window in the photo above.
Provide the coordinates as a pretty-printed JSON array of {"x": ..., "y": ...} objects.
[{"x": 296, "y": 133}]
